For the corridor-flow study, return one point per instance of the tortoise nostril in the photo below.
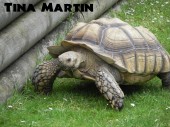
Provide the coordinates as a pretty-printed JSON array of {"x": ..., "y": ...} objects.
[{"x": 69, "y": 60}]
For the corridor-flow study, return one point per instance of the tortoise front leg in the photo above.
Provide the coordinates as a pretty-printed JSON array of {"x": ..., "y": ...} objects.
[
  {"x": 44, "y": 76},
  {"x": 165, "y": 78},
  {"x": 108, "y": 86}
]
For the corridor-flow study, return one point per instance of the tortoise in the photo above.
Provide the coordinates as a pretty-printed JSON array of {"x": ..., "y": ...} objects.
[{"x": 109, "y": 52}]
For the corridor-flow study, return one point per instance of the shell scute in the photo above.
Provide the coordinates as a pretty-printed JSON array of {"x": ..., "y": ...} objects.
[
  {"x": 130, "y": 49},
  {"x": 116, "y": 40}
]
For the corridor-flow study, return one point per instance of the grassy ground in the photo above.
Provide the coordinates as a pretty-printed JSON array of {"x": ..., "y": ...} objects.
[{"x": 72, "y": 105}]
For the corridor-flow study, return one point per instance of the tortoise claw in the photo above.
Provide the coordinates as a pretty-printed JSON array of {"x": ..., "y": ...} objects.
[
  {"x": 108, "y": 86},
  {"x": 118, "y": 105}
]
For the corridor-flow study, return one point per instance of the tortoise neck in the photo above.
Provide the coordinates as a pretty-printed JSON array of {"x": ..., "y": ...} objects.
[
  {"x": 89, "y": 61},
  {"x": 82, "y": 57}
]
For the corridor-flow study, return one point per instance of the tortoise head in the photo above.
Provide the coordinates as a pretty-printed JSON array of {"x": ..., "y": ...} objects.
[{"x": 70, "y": 60}]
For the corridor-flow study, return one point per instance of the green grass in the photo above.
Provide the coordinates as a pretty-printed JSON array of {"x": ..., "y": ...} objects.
[{"x": 73, "y": 104}]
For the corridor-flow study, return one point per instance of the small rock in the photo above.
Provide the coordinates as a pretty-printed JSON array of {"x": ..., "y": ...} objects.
[
  {"x": 10, "y": 106},
  {"x": 132, "y": 104},
  {"x": 50, "y": 108},
  {"x": 167, "y": 107},
  {"x": 22, "y": 121},
  {"x": 166, "y": 2}
]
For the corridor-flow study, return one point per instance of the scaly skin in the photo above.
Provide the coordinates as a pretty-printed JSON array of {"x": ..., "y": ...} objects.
[
  {"x": 165, "y": 78},
  {"x": 44, "y": 76},
  {"x": 106, "y": 77},
  {"x": 108, "y": 86},
  {"x": 86, "y": 66},
  {"x": 89, "y": 66}
]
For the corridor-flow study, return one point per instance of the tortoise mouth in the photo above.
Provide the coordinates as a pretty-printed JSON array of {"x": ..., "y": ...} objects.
[{"x": 65, "y": 68}]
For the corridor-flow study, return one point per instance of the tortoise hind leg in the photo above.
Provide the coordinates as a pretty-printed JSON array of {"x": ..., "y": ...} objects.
[
  {"x": 106, "y": 83},
  {"x": 165, "y": 78},
  {"x": 44, "y": 76}
]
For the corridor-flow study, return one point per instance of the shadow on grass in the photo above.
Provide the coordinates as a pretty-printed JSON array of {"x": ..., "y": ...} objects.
[
  {"x": 84, "y": 88},
  {"x": 81, "y": 88},
  {"x": 73, "y": 88}
]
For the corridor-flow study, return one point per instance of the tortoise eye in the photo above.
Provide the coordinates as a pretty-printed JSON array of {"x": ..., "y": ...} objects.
[{"x": 69, "y": 59}]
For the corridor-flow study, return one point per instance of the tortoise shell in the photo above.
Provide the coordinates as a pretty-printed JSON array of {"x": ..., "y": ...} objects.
[{"x": 130, "y": 49}]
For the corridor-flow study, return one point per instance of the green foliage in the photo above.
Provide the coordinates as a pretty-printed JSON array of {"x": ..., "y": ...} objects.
[{"x": 72, "y": 103}]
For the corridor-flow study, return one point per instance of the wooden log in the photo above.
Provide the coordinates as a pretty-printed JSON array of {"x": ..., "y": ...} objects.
[
  {"x": 14, "y": 77},
  {"x": 7, "y": 17},
  {"x": 27, "y": 30}
]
